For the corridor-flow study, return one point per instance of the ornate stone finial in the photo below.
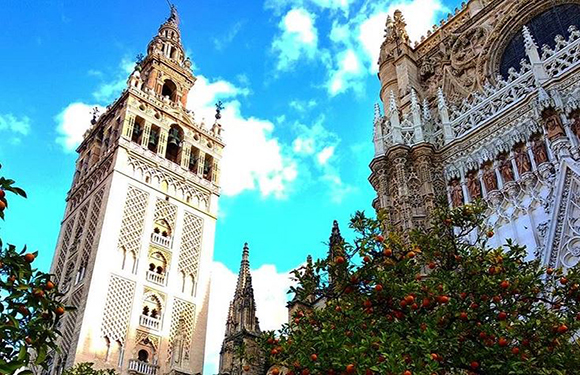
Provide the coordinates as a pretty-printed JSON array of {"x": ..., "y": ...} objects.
[
  {"x": 95, "y": 112},
  {"x": 389, "y": 27},
  {"x": 377, "y": 112},
  {"x": 393, "y": 108},
  {"x": 441, "y": 99},
  {"x": 426, "y": 110},
  {"x": 401, "y": 27},
  {"x": 219, "y": 106},
  {"x": 414, "y": 101},
  {"x": 528, "y": 39}
]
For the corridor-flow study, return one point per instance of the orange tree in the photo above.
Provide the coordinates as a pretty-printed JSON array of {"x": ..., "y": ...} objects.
[
  {"x": 440, "y": 301},
  {"x": 30, "y": 306}
]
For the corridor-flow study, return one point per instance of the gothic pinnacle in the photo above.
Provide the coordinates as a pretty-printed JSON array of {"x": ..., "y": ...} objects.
[{"x": 528, "y": 38}]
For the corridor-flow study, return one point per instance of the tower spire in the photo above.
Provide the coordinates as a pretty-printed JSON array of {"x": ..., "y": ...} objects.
[{"x": 242, "y": 324}]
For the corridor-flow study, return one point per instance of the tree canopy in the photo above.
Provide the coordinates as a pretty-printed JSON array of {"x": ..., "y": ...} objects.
[{"x": 436, "y": 301}]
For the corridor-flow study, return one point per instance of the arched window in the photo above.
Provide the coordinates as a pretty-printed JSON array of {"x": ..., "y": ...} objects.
[
  {"x": 108, "y": 348},
  {"x": 123, "y": 257},
  {"x": 173, "y": 54},
  {"x": 169, "y": 89},
  {"x": 174, "y": 143},
  {"x": 208, "y": 167},
  {"x": 194, "y": 160},
  {"x": 544, "y": 28},
  {"x": 153, "y": 139},
  {"x": 138, "y": 130},
  {"x": 143, "y": 355}
]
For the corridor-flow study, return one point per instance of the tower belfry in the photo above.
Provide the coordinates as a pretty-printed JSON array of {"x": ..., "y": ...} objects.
[
  {"x": 136, "y": 242},
  {"x": 242, "y": 327}
]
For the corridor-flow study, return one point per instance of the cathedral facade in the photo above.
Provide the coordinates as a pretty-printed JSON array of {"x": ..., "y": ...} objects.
[
  {"x": 136, "y": 242},
  {"x": 485, "y": 106}
]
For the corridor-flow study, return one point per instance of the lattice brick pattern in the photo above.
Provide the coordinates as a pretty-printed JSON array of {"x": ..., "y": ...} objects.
[
  {"x": 70, "y": 251},
  {"x": 65, "y": 238},
  {"x": 71, "y": 319},
  {"x": 133, "y": 219},
  {"x": 167, "y": 211},
  {"x": 190, "y": 244},
  {"x": 88, "y": 245},
  {"x": 117, "y": 309},
  {"x": 182, "y": 319}
]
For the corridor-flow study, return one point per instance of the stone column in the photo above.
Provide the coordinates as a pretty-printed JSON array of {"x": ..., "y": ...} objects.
[
  {"x": 200, "y": 163},
  {"x": 531, "y": 155},
  {"x": 162, "y": 144},
  {"x": 146, "y": 134},
  {"x": 185, "y": 155},
  {"x": 128, "y": 124},
  {"x": 463, "y": 183}
]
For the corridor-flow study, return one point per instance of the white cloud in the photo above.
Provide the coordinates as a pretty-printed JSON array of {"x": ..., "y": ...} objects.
[
  {"x": 108, "y": 91},
  {"x": 354, "y": 41},
  {"x": 322, "y": 4},
  {"x": 270, "y": 292},
  {"x": 324, "y": 156},
  {"x": 253, "y": 158},
  {"x": 419, "y": 15},
  {"x": 299, "y": 38},
  {"x": 222, "y": 42},
  {"x": 11, "y": 123},
  {"x": 72, "y": 122},
  {"x": 318, "y": 145},
  {"x": 346, "y": 74}
]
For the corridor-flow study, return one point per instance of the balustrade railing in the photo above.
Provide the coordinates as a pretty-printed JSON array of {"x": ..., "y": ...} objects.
[
  {"x": 141, "y": 367},
  {"x": 158, "y": 239},
  {"x": 157, "y": 278},
  {"x": 149, "y": 322}
]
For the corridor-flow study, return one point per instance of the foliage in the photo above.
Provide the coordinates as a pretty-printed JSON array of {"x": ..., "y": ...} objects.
[
  {"x": 86, "y": 368},
  {"x": 30, "y": 306},
  {"x": 440, "y": 301}
]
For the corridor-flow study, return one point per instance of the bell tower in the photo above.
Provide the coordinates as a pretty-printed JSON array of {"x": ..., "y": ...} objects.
[{"x": 136, "y": 242}]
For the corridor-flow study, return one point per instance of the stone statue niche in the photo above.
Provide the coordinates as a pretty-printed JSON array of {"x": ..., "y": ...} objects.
[
  {"x": 473, "y": 185},
  {"x": 505, "y": 168},
  {"x": 575, "y": 123},
  {"x": 539, "y": 150},
  {"x": 489, "y": 177},
  {"x": 456, "y": 192},
  {"x": 553, "y": 124},
  {"x": 522, "y": 159}
]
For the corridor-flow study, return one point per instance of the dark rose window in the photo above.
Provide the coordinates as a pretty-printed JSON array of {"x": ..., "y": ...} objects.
[{"x": 544, "y": 28}]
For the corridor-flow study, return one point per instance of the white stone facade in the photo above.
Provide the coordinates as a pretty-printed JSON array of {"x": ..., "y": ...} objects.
[{"x": 511, "y": 140}]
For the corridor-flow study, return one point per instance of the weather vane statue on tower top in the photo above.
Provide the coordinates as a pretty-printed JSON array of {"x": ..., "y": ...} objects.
[{"x": 173, "y": 17}]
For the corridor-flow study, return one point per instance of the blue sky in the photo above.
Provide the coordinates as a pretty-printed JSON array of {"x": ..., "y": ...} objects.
[{"x": 298, "y": 78}]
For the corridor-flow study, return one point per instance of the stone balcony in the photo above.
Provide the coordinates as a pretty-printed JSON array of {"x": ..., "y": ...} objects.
[
  {"x": 140, "y": 367},
  {"x": 149, "y": 322},
  {"x": 156, "y": 278},
  {"x": 160, "y": 240}
]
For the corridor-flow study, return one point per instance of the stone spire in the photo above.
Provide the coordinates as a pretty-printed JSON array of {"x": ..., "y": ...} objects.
[
  {"x": 242, "y": 326},
  {"x": 335, "y": 241},
  {"x": 242, "y": 314}
]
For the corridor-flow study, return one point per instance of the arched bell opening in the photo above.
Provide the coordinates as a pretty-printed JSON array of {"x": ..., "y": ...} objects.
[
  {"x": 169, "y": 89},
  {"x": 174, "y": 149}
]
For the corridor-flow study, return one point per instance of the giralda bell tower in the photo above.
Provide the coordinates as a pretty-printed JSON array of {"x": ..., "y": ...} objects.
[{"x": 136, "y": 243}]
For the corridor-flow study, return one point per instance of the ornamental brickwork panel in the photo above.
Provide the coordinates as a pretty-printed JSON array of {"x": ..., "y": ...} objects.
[
  {"x": 62, "y": 251},
  {"x": 117, "y": 309},
  {"x": 166, "y": 211},
  {"x": 133, "y": 219},
  {"x": 190, "y": 245},
  {"x": 182, "y": 323}
]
